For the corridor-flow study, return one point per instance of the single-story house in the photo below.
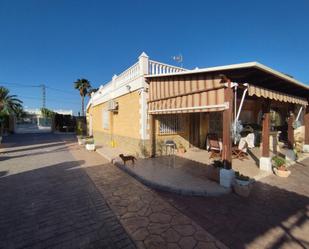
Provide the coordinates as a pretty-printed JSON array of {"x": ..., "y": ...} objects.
[
  {"x": 151, "y": 103},
  {"x": 117, "y": 113}
]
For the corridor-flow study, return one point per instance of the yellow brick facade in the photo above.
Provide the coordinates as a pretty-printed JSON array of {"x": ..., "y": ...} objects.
[{"x": 124, "y": 125}]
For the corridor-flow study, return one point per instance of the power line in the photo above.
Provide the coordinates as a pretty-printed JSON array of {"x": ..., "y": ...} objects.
[
  {"x": 37, "y": 98},
  {"x": 37, "y": 86},
  {"x": 59, "y": 90}
]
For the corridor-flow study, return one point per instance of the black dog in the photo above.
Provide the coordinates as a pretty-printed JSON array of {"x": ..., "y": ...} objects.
[{"x": 127, "y": 158}]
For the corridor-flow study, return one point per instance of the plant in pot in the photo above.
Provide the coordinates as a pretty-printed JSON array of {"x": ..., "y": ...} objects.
[
  {"x": 280, "y": 167},
  {"x": 242, "y": 185},
  {"x": 81, "y": 140},
  {"x": 181, "y": 149},
  {"x": 90, "y": 144},
  {"x": 241, "y": 179}
]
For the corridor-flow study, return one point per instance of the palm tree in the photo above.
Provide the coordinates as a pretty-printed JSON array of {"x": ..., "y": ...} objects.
[
  {"x": 83, "y": 86},
  {"x": 92, "y": 90},
  {"x": 9, "y": 105}
]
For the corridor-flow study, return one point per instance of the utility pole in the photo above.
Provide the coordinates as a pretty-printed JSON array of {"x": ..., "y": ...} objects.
[{"x": 43, "y": 95}]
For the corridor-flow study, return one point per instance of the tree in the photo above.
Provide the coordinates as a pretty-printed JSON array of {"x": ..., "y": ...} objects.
[
  {"x": 83, "y": 86},
  {"x": 92, "y": 90},
  {"x": 9, "y": 105},
  {"x": 47, "y": 113}
]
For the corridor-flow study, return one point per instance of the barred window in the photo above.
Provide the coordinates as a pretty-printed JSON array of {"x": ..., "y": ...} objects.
[{"x": 170, "y": 124}]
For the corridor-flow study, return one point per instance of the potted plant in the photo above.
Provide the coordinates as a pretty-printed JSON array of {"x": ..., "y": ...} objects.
[
  {"x": 90, "y": 144},
  {"x": 241, "y": 179},
  {"x": 181, "y": 149},
  {"x": 81, "y": 140},
  {"x": 280, "y": 167},
  {"x": 242, "y": 185}
]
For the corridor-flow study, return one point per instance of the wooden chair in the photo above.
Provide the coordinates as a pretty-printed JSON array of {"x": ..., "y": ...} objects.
[
  {"x": 213, "y": 146},
  {"x": 240, "y": 153}
]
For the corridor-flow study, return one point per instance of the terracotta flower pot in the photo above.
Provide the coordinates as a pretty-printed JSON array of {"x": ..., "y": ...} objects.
[
  {"x": 282, "y": 173},
  {"x": 181, "y": 150}
]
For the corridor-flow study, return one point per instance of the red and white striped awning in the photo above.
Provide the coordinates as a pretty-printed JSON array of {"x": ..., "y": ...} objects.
[{"x": 183, "y": 94}]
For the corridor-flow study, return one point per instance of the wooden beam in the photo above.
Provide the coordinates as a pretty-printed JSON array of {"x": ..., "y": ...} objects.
[
  {"x": 227, "y": 125},
  {"x": 265, "y": 128},
  {"x": 306, "y": 121}
]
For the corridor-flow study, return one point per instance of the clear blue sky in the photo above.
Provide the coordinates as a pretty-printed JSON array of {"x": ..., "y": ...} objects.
[{"x": 57, "y": 41}]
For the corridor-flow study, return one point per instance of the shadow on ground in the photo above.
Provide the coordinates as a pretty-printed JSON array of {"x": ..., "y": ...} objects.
[
  {"x": 56, "y": 207},
  {"x": 275, "y": 214}
]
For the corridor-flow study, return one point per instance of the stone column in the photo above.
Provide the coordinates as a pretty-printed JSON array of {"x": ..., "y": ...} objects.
[
  {"x": 143, "y": 61},
  {"x": 265, "y": 160}
]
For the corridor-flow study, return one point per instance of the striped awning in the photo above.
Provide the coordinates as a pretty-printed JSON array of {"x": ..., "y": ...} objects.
[
  {"x": 279, "y": 96},
  {"x": 185, "y": 95}
]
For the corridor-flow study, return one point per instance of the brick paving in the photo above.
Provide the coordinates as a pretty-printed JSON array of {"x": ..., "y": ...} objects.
[
  {"x": 55, "y": 194},
  {"x": 48, "y": 201},
  {"x": 151, "y": 222},
  {"x": 276, "y": 215}
]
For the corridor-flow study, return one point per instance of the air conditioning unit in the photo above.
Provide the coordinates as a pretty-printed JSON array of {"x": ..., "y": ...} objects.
[{"x": 112, "y": 105}]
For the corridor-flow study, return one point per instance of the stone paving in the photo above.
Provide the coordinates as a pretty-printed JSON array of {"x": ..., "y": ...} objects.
[
  {"x": 48, "y": 201},
  {"x": 152, "y": 222},
  {"x": 276, "y": 214},
  {"x": 55, "y": 194}
]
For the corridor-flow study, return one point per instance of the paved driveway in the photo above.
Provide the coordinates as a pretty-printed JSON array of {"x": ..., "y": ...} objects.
[
  {"x": 276, "y": 215},
  {"x": 55, "y": 194},
  {"x": 48, "y": 201}
]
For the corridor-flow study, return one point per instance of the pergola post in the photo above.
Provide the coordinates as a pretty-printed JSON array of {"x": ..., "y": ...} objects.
[
  {"x": 227, "y": 175},
  {"x": 227, "y": 125},
  {"x": 265, "y": 160},
  {"x": 306, "y": 123}
]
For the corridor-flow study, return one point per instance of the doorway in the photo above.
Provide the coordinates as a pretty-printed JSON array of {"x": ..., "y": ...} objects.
[{"x": 194, "y": 130}]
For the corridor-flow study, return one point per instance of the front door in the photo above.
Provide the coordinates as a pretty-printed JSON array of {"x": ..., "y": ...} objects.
[{"x": 195, "y": 130}]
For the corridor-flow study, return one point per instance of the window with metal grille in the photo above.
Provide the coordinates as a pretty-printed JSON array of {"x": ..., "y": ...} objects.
[{"x": 170, "y": 124}]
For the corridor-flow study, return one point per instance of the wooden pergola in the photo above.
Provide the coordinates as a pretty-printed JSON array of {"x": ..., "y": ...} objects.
[{"x": 211, "y": 90}]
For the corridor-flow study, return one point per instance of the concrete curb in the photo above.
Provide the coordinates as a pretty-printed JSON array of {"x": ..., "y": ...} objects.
[
  {"x": 159, "y": 186},
  {"x": 164, "y": 187}
]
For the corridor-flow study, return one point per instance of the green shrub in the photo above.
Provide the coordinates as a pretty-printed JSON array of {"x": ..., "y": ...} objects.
[
  {"x": 278, "y": 161},
  {"x": 218, "y": 164},
  {"x": 241, "y": 177}
]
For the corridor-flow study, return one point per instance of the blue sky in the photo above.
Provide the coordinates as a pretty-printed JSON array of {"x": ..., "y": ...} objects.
[{"x": 57, "y": 41}]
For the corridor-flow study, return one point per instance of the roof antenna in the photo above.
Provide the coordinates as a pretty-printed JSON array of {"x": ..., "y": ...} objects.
[{"x": 179, "y": 59}]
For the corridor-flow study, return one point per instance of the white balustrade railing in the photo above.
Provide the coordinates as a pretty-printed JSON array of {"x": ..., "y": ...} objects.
[
  {"x": 132, "y": 73},
  {"x": 128, "y": 75},
  {"x": 156, "y": 67}
]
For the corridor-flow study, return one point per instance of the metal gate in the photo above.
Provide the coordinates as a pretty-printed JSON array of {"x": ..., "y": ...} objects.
[{"x": 33, "y": 124}]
